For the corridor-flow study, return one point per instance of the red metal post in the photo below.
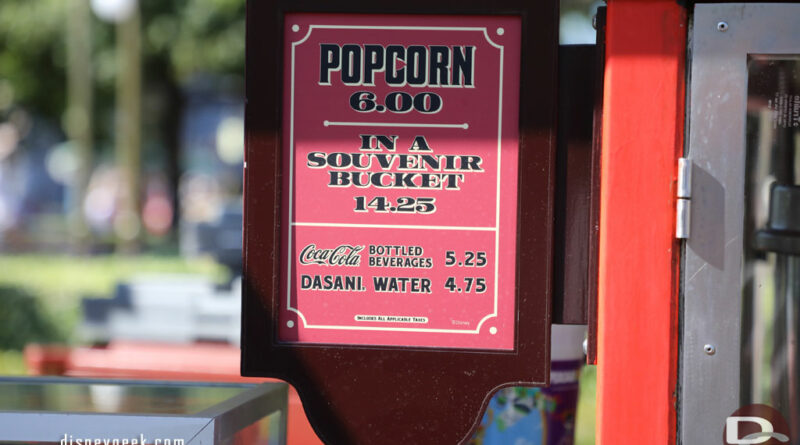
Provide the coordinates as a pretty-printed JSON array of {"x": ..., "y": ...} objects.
[{"x": 638, "y": 320}]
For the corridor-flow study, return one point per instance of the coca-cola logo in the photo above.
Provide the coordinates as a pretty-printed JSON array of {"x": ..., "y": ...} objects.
[{"x": 343, "y": 255}]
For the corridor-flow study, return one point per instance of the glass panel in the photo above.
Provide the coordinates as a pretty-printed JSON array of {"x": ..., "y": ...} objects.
[
  {"x": 771, "y": 292},
  {"x": 263, "y": 432},
  {"x": 112, "y": 398}
]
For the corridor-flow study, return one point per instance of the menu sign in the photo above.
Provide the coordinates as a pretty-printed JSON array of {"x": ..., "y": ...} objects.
[{"x": 400, "y": 158}]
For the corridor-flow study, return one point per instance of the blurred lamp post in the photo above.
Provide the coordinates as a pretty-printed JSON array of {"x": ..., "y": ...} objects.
[
  {"x": 114, "y": 11},
  {"x": 78, "y": 117},
  {"x": 125, "y": 14}
]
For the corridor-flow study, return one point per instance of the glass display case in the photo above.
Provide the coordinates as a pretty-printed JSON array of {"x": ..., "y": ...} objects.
[
  {"x": 771, "y": 274},
  {"x": 83, "y": 411}
]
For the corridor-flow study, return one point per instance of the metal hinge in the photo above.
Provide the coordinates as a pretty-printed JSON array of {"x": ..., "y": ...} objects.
[{"x": 683, "y": 213}]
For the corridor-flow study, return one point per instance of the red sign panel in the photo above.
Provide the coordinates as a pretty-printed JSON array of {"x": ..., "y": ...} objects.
[{"x": 400, "y": 151}]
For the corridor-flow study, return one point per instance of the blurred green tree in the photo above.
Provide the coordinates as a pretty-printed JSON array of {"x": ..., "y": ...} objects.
[
  {"x": 180, "y": 39},
  {"x": 22, "y": 320},
  {"x": 32, "y": 55}
]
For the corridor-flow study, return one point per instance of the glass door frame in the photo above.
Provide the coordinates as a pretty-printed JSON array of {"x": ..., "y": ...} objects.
[{"x": 723, "y": 35}]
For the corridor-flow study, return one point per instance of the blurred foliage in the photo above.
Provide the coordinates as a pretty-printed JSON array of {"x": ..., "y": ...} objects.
[
  {"x": 22, "y": 320},
  {"x": 57, "y": 283},
  {"x": 32, "y": 53},
  {"x": 180, "y": 38},
  {"x": 204, "y": 36},
  {"x": 12, "y": 363}
]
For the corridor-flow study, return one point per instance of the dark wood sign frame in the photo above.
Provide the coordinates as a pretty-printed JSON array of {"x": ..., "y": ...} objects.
[{"x": 393, "y": 395}]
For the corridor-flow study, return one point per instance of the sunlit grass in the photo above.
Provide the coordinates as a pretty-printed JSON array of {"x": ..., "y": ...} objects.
[
  {"x": 12, "y": 363},
  {"x": 57, "y": 277},
  {"x": 60, "y": 281},
  {"x": 585, "y": 417}
]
